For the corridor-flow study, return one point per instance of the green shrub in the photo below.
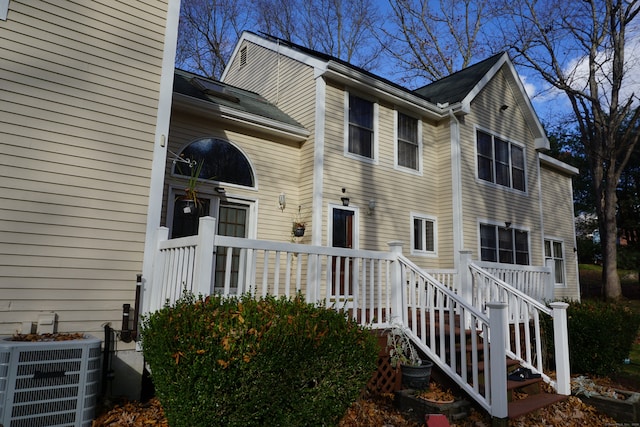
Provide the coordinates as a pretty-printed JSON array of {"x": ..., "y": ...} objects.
[
  {"x": 600, "y": 336},
  {"x": 255, "y": 362}
]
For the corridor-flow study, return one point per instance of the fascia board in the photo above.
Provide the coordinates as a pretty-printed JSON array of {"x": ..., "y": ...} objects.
[
  {"x": 264, "y": 124},
  {"x": 352, "y": 78},
  {"x": 558, "y": 164}
]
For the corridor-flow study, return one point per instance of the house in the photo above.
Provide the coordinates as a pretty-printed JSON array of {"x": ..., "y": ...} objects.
[
  {"x": 456, "y": 165},
  {"x": 100, "y": 135},
  {"x": 84, "y": 110}
]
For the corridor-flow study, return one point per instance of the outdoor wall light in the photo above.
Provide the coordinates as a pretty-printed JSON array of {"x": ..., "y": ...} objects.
[
  {"x": 371, "y": 206},
  {"x": 282, "y": 201},
  {"x": 507, "y": 225},
  {"x": 344, "y": 198},
  {"x": 221, "y": 190}
]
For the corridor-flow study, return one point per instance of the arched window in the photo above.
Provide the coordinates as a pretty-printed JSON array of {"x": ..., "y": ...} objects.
[{"x": 221, "y": 161}]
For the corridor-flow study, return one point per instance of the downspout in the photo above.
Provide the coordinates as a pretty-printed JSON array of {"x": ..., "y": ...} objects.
[{"x": 456, "y": 189}]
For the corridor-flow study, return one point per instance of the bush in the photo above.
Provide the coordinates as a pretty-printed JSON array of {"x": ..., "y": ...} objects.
[
  {"x": 255, "y": 362},
  {"x": 600, "y": 336}
]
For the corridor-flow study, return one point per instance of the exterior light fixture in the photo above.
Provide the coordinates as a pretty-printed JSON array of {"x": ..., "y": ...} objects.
[
  {"x": 282, "y": 201},
  {"x": 371, "y": 206},
  {"x": 221, "y": 190},
  {"x": 344, "y": 198},
  {"x": 507, "y": 225}
]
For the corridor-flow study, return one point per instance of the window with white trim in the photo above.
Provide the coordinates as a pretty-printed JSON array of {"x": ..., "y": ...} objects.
[
  {"x": 361, "y": 132},
  {"x": 408, "y": 141},
  {"x": 499, "y": 161},
  {"x": 554, "y": 253},
  {"x": 504, "y": 244},
  {"x": 423, "y": 234}
]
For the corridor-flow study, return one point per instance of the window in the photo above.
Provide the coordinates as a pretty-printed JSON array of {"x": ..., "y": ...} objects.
[
  {"x": 553, "y": 253},
  {"x": 360, "y": 139},
  {"x": 500, "y": 161},
  {"x": 504, "y": 244},
  {"x": 424, "y": 235},
  {"x": 408, "y": 141},
  {"x": 222, "y": 162}
]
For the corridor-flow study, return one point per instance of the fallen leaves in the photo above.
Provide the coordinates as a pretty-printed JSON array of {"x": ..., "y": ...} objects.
[{"x": 133, "y": 414}]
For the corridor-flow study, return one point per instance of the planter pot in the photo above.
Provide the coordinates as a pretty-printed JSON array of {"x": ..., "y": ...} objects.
[
  {"x": 416, "y": 376},
  {"x": 417, "y": 408},
  {"x": 187, "y": 206},
  {"x": 298, "y": 231}
]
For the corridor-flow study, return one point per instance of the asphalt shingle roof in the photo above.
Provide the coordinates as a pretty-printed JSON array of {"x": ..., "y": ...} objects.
[
  {"x": 455, "y": 87},
  {"x": 193, "y": 85}
]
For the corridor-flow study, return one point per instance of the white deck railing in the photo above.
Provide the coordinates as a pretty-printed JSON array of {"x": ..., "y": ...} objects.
[{"x": 374, "y": 288}]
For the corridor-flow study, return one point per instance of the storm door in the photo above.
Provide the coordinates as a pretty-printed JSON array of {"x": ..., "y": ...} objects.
[{"x": 342, "y": 236}]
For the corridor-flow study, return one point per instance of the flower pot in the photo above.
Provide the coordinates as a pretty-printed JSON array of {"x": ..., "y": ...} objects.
[
  {"x": 187, "y": 206},
  {"x": 298, "y": 231},
  {"x": 416, "y": 376}
]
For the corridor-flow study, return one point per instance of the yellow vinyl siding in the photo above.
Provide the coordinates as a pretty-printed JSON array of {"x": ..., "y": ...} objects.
[
  {"x": 557, "y": 198},
  {"x": 276, "y": 170},
  {"x": 396, "y": 193},
  {"x": 486, "y": 201},
  {"x": 77, "y": 125}
]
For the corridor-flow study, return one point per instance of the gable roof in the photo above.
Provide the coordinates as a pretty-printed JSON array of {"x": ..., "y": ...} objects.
[
  {"x": 455, "y": 87},
  {"x": 232, "y": 103}
]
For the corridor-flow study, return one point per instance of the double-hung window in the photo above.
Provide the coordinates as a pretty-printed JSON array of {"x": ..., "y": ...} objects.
[
  {"x": 553, "y": 253},
  {"x": 424, "y": 235},
  {"x": 499, "y": 161},
  {"x": 504, "y": 244},
  {"x": 361, "y": 134},
  {"x": 408, "y": 141}
]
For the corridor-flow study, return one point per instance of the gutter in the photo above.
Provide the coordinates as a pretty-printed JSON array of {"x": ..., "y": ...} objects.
[{"x": 387, "y": 91}]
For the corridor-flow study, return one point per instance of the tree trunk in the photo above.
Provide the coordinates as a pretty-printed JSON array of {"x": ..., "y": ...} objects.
[{"x": 609, "y": 235}]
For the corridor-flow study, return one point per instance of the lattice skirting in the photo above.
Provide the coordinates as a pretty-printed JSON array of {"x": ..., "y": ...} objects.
[{"x": 386, "y": 379}]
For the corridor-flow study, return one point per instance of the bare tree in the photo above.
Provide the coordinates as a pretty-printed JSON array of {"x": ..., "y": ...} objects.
[
  {"x": 579, "y": 48},
  {"x": 344, "y": 29},
  {"x": 432, "y": 39},
  {"x": 208, "y": 32}
]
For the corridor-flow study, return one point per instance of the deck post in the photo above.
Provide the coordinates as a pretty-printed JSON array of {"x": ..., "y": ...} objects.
[
  {"x": 152, "y": 291},
  {"x": 397, "y": 310},
  {"x": 561, "y": 344},
  {"x": 204, "y": 256},
  {"x": 498, "y": 355},
  {"x": 465, "y": 284}
]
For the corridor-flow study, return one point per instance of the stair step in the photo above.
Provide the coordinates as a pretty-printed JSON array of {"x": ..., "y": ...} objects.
[
  {"x": 514, "y": 385},
  {"x": 532, "y": 403}
]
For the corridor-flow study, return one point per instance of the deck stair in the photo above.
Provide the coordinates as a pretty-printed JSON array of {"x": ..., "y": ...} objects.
[{"x": 523, "y": 396}]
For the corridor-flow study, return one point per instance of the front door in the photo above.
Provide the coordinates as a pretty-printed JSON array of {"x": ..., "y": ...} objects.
[{"x": 342, "y": 236}]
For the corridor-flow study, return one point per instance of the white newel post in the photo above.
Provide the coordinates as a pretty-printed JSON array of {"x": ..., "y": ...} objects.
[
  {"x": 152, "y": 292},
  {"x": 397, "y": 304},
  {"x": 204, "y": 256},
  {"x": 498, "y": 355},
  {"x": 561, "y": 343},
  {"x": 465, "y": 284}
]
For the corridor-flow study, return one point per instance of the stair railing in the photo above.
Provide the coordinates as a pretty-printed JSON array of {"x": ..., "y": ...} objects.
[
  {"x": 524, "y": 339},
  {"x": 434, "y": 314}
]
